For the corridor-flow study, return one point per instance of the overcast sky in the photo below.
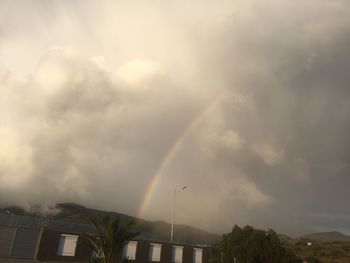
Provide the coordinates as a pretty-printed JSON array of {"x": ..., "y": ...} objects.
[{"x": 93, "y": 94}]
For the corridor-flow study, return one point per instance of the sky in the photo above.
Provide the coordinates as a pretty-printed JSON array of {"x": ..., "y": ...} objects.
[{"x": 247, "y": 102}]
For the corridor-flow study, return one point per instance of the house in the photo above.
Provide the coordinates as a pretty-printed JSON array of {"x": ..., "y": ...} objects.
[{"x": 28, "y": 239}]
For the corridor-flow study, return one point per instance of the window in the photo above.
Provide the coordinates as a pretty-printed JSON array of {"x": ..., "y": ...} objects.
[
  {"x": 154, "y": 252},
  {"x": 67, "y": 245},
  {"x": 24, "y": 244},
  {"x": 129, "y": 250},
  {"x": 197, "y": 255},
  {"x": 177, "y": 254}
]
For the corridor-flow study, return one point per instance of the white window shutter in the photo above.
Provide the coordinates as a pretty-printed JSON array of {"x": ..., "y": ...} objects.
[
  {"x": 154, "y": 253},
  {"x": 67, "y": 245},
  {"x": 177, "y": 254},
  {"x": 197, "y": 255},
  {"x": 129, "y": 250}
]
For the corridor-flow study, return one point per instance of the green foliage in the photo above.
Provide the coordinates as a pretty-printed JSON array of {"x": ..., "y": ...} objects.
[
  {"x": 249, "y": 245},
  {"x": 109, "y": 238}
]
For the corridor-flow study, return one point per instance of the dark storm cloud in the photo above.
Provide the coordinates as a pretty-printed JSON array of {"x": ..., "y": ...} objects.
[{"x": 91, "y": 120}]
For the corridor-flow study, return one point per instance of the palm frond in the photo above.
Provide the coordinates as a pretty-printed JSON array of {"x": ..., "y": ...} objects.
[{"x": 109, "y": 238}]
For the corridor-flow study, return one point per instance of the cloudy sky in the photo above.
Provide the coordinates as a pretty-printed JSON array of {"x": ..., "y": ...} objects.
[{"x": 94, "y": 94}]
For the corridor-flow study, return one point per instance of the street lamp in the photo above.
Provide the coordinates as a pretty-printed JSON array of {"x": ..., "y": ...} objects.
[{"x": 173, "y": 214}]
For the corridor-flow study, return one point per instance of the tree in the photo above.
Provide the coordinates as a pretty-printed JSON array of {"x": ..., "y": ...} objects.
[
  {"x": 108, "y": 239},
  {"x": 249, "y": 245}
]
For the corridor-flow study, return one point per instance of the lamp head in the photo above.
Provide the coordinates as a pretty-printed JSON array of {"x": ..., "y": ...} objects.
[{"x": 181, "y": 188}]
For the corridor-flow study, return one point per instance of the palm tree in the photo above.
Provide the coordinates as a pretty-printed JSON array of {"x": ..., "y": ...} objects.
[{"x": 108, "y": 239}]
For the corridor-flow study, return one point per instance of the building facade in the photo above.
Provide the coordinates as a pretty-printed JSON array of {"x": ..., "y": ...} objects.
[{"x": 62, "y": 243}]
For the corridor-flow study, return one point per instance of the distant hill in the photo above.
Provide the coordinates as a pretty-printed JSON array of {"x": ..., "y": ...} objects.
[
  {"x": 327, "y": 237},
  {"x": 285, "y": 238},
  {"x": 154, "y": 230}
]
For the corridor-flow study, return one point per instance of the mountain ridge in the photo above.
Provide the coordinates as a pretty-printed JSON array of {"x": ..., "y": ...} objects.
[{"x": 330, "y": 236}]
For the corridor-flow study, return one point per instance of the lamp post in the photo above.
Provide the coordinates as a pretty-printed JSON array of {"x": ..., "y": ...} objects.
[{"x": 173, "y": 213}]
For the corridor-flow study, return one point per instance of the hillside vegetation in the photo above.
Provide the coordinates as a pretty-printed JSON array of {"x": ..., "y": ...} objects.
[{"x": 328, "y": 247}]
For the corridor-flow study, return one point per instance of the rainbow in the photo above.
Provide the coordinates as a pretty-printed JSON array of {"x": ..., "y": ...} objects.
[{"x": 172, "y": 152}]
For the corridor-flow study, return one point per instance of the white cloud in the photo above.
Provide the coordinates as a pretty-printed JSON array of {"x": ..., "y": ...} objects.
[{"x": 138, "y": 72}]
